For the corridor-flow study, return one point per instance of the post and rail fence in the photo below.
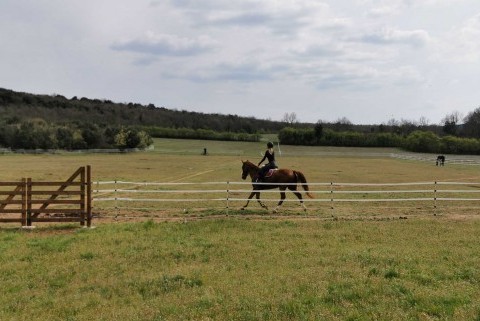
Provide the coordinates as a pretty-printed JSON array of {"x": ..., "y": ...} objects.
[
  {"x": 112, "y": 198},
  {"x": 28, "y": 201}
]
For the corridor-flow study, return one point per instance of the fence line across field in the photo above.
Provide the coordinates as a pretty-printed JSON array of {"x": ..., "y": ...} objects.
[
  {"x": 332, "y": 193},
  {"x": 450, "y": 159}
]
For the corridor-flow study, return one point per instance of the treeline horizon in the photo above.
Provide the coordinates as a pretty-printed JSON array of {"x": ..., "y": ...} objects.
[
  {"x": 51, "y": 116},
  {"x": 416, "y": 141}
]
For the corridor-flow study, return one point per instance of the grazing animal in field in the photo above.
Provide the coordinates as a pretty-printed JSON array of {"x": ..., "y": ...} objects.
[
  {"x": 279, "y": 178},
  {"x": 440, "y": 160}
]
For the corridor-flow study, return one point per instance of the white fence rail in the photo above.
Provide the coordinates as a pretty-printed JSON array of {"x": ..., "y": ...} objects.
[{"x": 113, "y": 197}]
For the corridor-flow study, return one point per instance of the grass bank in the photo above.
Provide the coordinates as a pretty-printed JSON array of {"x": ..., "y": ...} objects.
[{"x": 423, "y": 269}]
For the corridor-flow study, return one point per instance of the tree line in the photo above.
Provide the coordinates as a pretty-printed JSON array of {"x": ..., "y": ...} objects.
[
  {"x": 29, "y": 121},
  {"x": 57, "y": 108},
  {"x": 206, "y": 134},
  {"x": 53, "y": 121},
  {"x": 411, "y": 139}
]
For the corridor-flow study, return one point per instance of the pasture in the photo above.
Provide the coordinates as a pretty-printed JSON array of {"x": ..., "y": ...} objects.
[
  {"x": 180, "y": 161},
  {"x": 371, "y": 265}
]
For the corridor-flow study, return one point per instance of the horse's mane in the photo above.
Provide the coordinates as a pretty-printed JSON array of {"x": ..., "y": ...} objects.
[{"x": 249, "y": 163}]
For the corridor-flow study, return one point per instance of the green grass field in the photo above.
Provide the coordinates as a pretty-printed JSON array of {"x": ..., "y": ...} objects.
[{"x": 370, "y": 265}]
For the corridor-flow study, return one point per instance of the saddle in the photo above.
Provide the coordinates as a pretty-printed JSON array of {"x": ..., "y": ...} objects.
[
  {"x": 270, "y": 172},
  {"x": 267, "y": 174}
]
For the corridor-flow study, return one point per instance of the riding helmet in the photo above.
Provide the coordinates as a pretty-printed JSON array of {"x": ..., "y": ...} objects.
[{"x": 270, "y": 145}]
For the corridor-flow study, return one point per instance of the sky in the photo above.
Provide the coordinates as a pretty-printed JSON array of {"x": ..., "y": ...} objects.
[{"x": 369, "y": 61}]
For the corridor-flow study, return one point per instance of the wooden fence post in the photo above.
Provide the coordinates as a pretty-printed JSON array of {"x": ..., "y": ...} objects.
[
  {"x": 228, "y": 197},
  {"x": 331, "y": 199},
  {"x": 29, "y": 202},
  {"x": 24, "y": 202},
  {"x": 89, "y": 196},
  {"x": 82, "y": 196}
]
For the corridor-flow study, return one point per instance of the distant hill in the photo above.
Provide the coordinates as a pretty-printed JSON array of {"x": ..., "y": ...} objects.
[
  {"x": 29, "y": 121},
  {"x": 16, "y": 107}
]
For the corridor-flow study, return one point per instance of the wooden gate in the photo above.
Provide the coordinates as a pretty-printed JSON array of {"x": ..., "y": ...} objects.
[{"x": 31, "y": 201}]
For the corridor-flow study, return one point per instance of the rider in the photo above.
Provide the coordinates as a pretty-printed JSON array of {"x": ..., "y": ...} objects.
[{"x": 270, "y": 155}]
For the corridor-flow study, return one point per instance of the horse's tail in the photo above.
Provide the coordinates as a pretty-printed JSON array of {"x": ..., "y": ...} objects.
[{"x": 303, "y": 180}]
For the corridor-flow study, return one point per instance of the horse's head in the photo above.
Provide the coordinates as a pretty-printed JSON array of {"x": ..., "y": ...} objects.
[
  {"x": 244, "y": 169},
  {"x": 248, "y": 168}
]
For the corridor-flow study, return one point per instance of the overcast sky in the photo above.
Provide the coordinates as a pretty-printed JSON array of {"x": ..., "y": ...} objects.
[{"x": 366, "y": 60}]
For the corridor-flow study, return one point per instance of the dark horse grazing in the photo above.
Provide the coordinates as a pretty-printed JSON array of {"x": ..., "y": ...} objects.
[
  {"x": 440, "y": 160},
  {"x": 280, "y": 177}
]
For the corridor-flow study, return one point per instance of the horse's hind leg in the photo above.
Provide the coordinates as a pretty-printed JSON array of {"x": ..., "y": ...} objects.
[
  {"x": 282, "y": 198},
  {"x": 260, "y": 202},
  {"x": 299, "y": 196}
]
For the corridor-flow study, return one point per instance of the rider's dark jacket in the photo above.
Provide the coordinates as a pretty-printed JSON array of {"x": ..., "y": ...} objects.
[{"x": 271, "y": 163}]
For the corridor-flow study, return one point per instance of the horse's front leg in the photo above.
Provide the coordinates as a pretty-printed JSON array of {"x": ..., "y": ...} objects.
[
  {"x": 249, "y": 198},
  {"x": 257, "y": 194}
]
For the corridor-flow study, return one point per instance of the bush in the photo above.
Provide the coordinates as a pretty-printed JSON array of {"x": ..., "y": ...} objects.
[
  {"x": 40, "y": 135},
  {"x": 200, "y": 133},
  {"x": 420, "y": 141},
  {"x": 329, "y": 137},
  {"x": 301, "y": 136}
]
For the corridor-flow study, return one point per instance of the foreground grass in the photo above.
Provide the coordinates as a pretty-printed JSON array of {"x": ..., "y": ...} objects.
[{"x": 424, "y": 269}]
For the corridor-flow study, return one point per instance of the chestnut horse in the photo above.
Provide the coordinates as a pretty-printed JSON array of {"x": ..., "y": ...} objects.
[{"x": 281, "y": 178}]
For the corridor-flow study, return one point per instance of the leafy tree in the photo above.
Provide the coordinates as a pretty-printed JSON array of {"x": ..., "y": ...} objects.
[
  {"x": 24, "y": 137},
  {"x": 132, "y": 139},
  {"x": 6, "y": 135},
  {"x": 65, "y": 138},
  {"x": 121, "y": 139},
  {"x": 318, "y": 130},
  {"x": 44, "y": 138},
  {"x": 110, "y": 133},
  {"x": 78, "y": 141},
  {"x": 145, "y": 139},
  {"x": 92, "y": 137},
  {"x": 471, "y": 126},
  {"x": 450, "y": 123}
]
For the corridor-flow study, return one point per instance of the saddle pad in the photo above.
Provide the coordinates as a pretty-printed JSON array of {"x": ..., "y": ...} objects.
[{"x": 270, "y": 172}]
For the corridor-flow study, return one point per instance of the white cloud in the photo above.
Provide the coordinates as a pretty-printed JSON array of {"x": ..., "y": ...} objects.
[
  {"x": 383, "y": 11},
  {"x": 166, "y": 45},
  {"x": 389, "y": 36},
  {"x": 279, "y": 17}
]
